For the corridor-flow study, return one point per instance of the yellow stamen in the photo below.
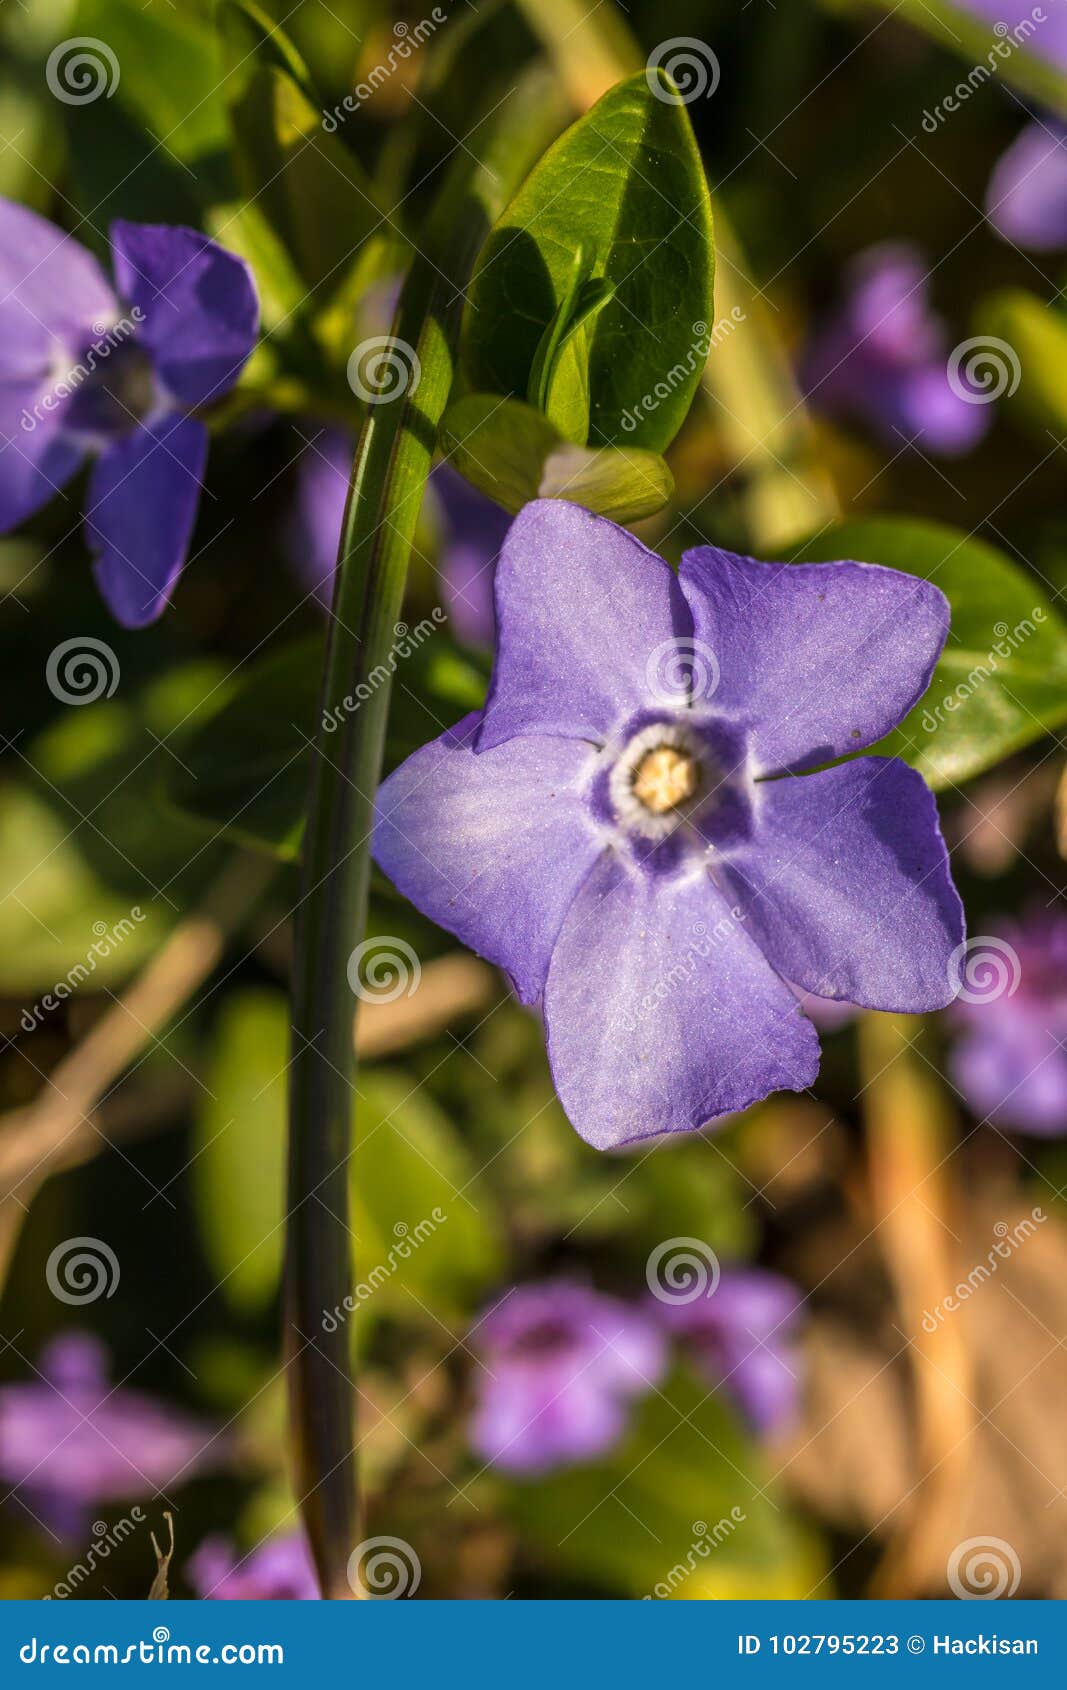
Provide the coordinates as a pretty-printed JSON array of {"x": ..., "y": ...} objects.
[{"x": 665, "y": 778}]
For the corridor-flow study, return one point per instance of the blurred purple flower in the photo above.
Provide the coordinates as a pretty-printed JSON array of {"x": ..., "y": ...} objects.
[
  {"x": 1044, "y": 27},
  {"x": 1010, "y": 1061},
  {"x": 741, "y": 1335},
  {"x": 70, "y": 1440},
  {"x": 613, "y": 832},
  {"x": 280, "y": 1570},
  {"x": 883, "y": 358},
  {"x": 1027, "y": 195},
  {"x": 88, "y": 372},
  {"x": 315, "y": 526},
  {"x": 474, "y": 529},
  {"x": 561, "y": 1364}
]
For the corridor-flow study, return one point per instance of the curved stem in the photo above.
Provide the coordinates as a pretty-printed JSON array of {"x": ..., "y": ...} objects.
[{"x": 392, "y": 462}]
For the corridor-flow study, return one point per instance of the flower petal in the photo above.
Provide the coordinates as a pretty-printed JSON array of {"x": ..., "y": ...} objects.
[
  {"x": 530, "y": 1425},
  {"x": 819, "y": 659},
  {"x": 492, "y": 846},
  {"x": 1027, "y": 196},
  {"x": 661, "y": 1011},
  {"x": 845, "y": 885},
  {"x": 51, "y": 289},
  {"x": 1011, "y": 1067},
  {"x": 582, "y": 609},
  {"x": 35, "y": 461},
  {"x": 141, "y": 508},
  {"x": 201, "y": 311}
]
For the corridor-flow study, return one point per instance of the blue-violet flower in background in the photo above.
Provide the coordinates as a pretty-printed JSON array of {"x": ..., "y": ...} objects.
[
  {"x": 1010, "y": 1061},
  {"x": 741, "y": 1335},
  {"x": 474, "y": 529},
  {"x": 88, "y": 371},
  {"x": 70, "y": 1439},
  {"x": 561, "y": 1366},
  {"x": 883, "y": 358},
  {"x": 621, "y": 829},
  {"x": 1026, "y": 200},
  {"x": 280, "y": 1570}
]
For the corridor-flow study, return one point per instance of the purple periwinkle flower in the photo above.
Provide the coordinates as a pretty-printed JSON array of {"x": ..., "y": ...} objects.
[
  {"x": 621, "y": 830},
  {"x": 1040, "y": 29},
  {"x": 561, "y": 1364},
  {"x": 1027, "y": 196},
  {"x": 1010, "y": 1061},
  {"x": 474, "y": 529},
  {"x": 883, "y": 358},
  {"x": 322, "y": 478},
  {"x": 740, "y": 1333},
  {"x": 88, "y": 371},
  {"x": 69, "y": 1439},
  {"x": 280, "y": 1570}
]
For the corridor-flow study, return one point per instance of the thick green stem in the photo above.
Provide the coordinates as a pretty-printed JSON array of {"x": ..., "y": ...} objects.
[{"x": 392, "y": 462}]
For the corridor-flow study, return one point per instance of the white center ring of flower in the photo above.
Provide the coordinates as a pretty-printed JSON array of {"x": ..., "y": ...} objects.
[{"x": 659, "y": 779}]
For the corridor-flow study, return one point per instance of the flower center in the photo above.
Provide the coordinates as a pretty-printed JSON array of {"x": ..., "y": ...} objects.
[
  {"x": 664, "y": 778},
  {"x": 661, "y": 777}
]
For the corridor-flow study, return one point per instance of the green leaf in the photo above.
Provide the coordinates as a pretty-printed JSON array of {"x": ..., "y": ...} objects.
[
  {"x": 100, "y": 768},
  {"x": 623, "y": 191},
  {"x": 426, "y": 1225},
  {"x": 166, "y": 75},
  {"x": 514, "y": 453},
  {"x": 239, "y": 1140},
  {"x": 245, "y": 769},
  {"x": 559, "y": 379},
  {"x": 1026, "y": 353},
  {"x": 678, "y": 1510},
  {"x": 1001, "y": 682},
  {"x": 57, "y": 908},
  {"x": 311, "y": 188},
  {"x": 425, "y": 1229}
]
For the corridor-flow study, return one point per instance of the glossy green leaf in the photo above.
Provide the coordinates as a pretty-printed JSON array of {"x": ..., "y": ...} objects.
[
  {"x": 426, "y": 1234},
  {"x": 514, "y": 453},
  {"x": 1001, "y": 681},
  {"x": 677, "y": 1511},
  {"x": 311, "y": 188},
  {"x": 1025, "y": 344},
  {"x": 623, "y": 187}
]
